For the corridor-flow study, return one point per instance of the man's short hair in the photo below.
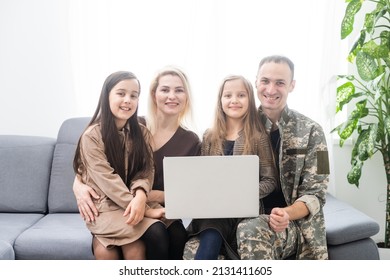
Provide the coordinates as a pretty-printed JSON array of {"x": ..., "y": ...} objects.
[{"x": 278, "y": 59}]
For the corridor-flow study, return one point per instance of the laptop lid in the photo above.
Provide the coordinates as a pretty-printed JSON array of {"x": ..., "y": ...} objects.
[{"x": 211, "y": 186}]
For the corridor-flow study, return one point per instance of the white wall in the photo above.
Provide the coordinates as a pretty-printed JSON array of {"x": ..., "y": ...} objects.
[
  {"x": 370, "y": 197},
  {"x": 37, "y": 91},
  {"x": 35, "y": 78},
  {"x": 44, "y": 81}
]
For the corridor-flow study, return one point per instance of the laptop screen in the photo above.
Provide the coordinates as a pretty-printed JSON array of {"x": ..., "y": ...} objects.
[{"x": 211, "y": 186}]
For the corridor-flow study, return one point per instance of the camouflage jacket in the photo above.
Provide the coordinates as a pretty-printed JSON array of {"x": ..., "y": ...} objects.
[{"x": 304, "y": 176}]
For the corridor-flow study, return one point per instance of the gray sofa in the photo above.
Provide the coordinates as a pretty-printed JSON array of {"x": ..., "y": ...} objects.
[{"x": 39, "y": 218}]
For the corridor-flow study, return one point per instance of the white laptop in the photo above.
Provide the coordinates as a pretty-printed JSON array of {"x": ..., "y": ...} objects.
[{"x": 211, "y": 186}]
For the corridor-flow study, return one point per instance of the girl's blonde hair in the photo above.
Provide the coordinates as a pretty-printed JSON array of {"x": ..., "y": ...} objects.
[{"x": 252, "y": 125}]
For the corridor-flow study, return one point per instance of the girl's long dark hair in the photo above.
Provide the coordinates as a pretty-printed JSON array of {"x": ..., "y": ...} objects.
[{"x": 140, "y": 157}]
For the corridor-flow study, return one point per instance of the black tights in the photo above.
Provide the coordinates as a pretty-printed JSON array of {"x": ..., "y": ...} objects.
[
  {"x": 156, "y": 242},
  {"x": 163, "y": 243},
  {"x": 177, "y": 240}
]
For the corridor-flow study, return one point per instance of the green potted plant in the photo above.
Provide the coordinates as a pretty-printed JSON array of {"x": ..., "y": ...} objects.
[{"x": 368, "y": 91}]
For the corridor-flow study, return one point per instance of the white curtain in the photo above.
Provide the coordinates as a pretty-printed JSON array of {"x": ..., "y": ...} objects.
[{"x": 208, "y": 39}]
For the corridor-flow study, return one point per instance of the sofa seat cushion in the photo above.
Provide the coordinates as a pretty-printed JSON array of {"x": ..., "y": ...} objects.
[
  {"x": 62, "y": 236},
  {"x": 363, "y": 249},
  {"x": 346, "y": 224},
  {"x": 6, "y": 251},
  {"x": 13, "y": 224}
]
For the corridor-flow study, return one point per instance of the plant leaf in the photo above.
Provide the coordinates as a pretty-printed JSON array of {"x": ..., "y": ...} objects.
[
  {"x": 361, "y": 108},
  {"x": 344, "y": 95},
  {"x": 367, "y": 142},
  {"x": 372, "y": 18},
  {"x": 375, "y": 87},
  {"x": 357, "y": 46},
  {"x": 385, "y": 42},
  {"x": 355, "y": 173},
  {"x": 385, "y": 38},
  {"x": 346, "y": 129},
  {"x": 338, "y": 130},
  {"x": 366, "y": 66},
  {"x": 347, "y": 24},
  {"x": 387, "y": 61},
  {"x": 375, "y": 50},
  {"x": 369, "y": 22},
  {"x": 355, "y": 149}
]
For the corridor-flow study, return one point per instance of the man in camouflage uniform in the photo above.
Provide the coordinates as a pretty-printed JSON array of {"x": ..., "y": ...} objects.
[{"x": 295, "y": 226}]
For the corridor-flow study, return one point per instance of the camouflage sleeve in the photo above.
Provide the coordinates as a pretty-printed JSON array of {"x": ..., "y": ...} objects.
[{"x": 315, "y": 172}]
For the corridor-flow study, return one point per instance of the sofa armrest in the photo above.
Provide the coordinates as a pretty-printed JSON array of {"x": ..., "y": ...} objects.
[{"x": 345, "y": 224}]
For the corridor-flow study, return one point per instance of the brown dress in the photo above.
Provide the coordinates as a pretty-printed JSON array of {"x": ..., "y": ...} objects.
[
  {"x": 110, "y": 227},
  {"x": 182, "y": 143}
]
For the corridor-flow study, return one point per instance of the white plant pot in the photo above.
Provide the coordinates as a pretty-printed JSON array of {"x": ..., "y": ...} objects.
[{"x": 384, "y": 253}]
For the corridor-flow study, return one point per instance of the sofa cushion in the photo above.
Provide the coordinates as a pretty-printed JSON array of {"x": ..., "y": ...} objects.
[
  {"x": 55, "y": 237},
  {"x": 364, "y": 249},
  {"x": 13, "y": 224},
  {"x": 61, "y": 197},
  {"x": 25, "y": 172},
  {"x": 345, "y": 224},
  {"x": 6, "y": 251}
]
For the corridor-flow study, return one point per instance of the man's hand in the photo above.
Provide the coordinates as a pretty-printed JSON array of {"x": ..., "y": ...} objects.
[{"x": 278, "y": 219}]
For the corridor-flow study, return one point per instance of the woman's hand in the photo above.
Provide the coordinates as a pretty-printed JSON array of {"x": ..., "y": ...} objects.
[
  {"x": 84, "y": 194},
  {"x": 156, "y": 195},
  {"x": 136, "y": 208},
  {"x": 155, "y": 213}
]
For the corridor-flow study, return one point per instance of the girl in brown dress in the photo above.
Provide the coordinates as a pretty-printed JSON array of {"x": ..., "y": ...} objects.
[
  {"x": 168, "y": 119},
  {"x": 114, "y": 158}
]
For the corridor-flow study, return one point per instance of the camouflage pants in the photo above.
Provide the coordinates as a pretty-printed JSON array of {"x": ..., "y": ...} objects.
[
  {"x": 257, "y": 241},
  {"x": 191, "y": 247}
]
